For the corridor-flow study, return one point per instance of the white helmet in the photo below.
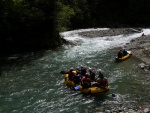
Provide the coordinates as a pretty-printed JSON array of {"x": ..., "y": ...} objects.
[
  {"x": 81, "y": 65},
  {"x": 100, "y": 70},
  {"x": 71, "y": 69},
  {"x": 90, "y": 69}
]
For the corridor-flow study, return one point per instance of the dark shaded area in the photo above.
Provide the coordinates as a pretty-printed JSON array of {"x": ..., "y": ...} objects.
[
  {"x": 27, "y": 25},
  {"x": 10, "y": 62},
  {"x": 116, "y": 13}
]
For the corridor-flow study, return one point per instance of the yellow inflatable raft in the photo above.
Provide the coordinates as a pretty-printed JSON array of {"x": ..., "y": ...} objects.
[
  {"x": 90, "y": 90},
  {"x": 124, "y": 57}
]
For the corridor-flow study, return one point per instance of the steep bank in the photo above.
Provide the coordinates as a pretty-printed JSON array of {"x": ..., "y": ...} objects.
[{"x": 141, "y": 48}]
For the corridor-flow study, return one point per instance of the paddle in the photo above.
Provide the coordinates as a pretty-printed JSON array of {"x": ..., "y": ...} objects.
[
  {"x": 77, "y": 88},
  {"x": 63, "y": 72},
  {"x": 112, "y": 56}
]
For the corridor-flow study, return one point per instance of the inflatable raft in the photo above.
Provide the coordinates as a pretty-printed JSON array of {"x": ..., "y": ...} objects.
[
  {"x": 91, "y": 90},
  {"x": 124, "y": 57}
]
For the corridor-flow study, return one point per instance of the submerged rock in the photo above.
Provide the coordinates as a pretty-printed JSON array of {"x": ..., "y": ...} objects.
[{"x": 142, "y": 65}]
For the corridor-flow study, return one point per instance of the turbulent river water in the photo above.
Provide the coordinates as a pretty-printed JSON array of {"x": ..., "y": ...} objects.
[{"x": 32, "y": 83}]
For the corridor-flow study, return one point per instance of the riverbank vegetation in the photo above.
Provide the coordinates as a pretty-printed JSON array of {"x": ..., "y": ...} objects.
[{"x": 27, "y": 25}]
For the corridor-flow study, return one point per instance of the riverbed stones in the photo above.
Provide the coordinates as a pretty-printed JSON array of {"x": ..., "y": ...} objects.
[
  {"x": 142, "y": 65},
  {"x": 102, "y": 33}
]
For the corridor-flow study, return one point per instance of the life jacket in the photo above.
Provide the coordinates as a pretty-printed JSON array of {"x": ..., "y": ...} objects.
[
  {"x": 83, "y": 71},
  {"x": 104, "y": 82},
  {"x": 100, "y": 75},
  {"x": 76, "y": 79},
  {"x": 70, "y": 75},
  {"x": 85, "y": 79},
  {"x": 98, "y": 80},
  {"x": 86, "y": 82},
  {"x": 124, "y": 52},
  {"x": 92, "y": 75},
  {"x": 119, "y": 54},
  {"x": 77, "y": 72}
]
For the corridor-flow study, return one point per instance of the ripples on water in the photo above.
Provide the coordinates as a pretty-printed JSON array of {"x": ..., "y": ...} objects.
[{"x": 32, "y": 82}]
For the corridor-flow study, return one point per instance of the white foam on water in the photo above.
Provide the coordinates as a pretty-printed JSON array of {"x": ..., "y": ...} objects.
[{"x": 90, "y": 46}]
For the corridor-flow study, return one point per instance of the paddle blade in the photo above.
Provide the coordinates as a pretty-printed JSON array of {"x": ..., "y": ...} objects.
[
  {"x": 77, "y": 88},
  {"x": 63, "y": 72},
  {"x": 112, "y": 56}
]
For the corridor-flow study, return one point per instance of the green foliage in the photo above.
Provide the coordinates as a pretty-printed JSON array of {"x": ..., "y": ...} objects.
[
  {"x": 63, "y": 16},
  {"x": 35, "y": 24},
  {"x": 82, "y": 18},
  {"x": 28, "y": 25},
  {"x": 118, "y": 13}
]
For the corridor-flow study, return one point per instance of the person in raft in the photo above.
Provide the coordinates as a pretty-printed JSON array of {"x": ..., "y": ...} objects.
[
  {"x": 120, "y": 54},
  {"x": 86, "y": 81},
  {"x": 76, "y": 77},
  {"x": 91, "y": 74},
  {"x": 101, "y": 80},
  {"x": 124, "y": 52},
  {"x": 82, "y": 71},
  {"x": 70, "y": 73}
]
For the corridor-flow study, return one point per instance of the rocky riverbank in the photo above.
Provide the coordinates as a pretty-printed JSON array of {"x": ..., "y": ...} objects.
[
  {"x": 110, "y": 32},
  {"x": 140, "y": 48}
]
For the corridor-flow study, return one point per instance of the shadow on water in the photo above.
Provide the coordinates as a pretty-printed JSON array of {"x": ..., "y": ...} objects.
[{"x": 8, "y": 62}]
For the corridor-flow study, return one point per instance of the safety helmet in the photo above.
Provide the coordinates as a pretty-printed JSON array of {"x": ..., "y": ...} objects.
[
  {"x": 77, "y": 68},
  {"x": 81, "y": 65},
  {"x": 71, "y": 69},
  {"x": 90, "y": 69},
  {"x": 100, "y": 70}
]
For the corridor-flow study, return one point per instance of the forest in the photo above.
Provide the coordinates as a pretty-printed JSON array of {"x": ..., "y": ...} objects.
[{"x": 33, "y": 25}]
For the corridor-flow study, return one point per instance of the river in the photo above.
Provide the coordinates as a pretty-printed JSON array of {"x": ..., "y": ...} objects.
[{"x": 32, "y": 83}]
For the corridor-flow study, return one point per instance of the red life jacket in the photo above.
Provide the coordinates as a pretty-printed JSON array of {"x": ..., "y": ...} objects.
[
  {"x": 77, "y": 72},
  {"x": 70, "y": 75},
  {"x": 104, "y": 82},
  {"x": 86, "y": 82}
]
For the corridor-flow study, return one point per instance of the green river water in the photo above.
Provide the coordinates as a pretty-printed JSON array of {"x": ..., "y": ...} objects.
[{"x": 32, "y": 83}]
